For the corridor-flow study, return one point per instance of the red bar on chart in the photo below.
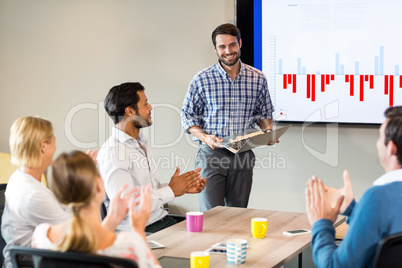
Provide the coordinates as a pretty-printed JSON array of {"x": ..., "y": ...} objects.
[
  {"x": 289, "y": 79},
  {"x": 285, "y": 83},
  {"x": 294, "y": 83},
  {"x": 313, "y": 88},
  {"x": 391, "y": 90},
  {"x": 366, "y": 78},
  {"x": 332, "y": 77},
  {"x": 322, "y": 82},
  {"x": 347, "y": 78},
  {"x": 308, "y": 86},
  {"x": 371, "y": 81},
  {"x": 361, "y": 87},
  {"x": 327, "y": 79},
  {"x": 400, "y": 81},
  {"x": 352, "y": 85},
  {"x": 386, "y": 84}
]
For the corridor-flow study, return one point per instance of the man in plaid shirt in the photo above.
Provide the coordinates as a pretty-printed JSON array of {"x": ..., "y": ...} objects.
[{"x": 224, "y": 99}]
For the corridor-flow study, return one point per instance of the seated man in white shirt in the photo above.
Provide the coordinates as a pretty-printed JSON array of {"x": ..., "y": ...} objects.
[{"x": 126, "y": 157}]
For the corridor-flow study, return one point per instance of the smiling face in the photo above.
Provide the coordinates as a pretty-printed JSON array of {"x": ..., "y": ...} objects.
[
  {"x": 228, "y": 49},
  {"x": 143, "y": 117}
]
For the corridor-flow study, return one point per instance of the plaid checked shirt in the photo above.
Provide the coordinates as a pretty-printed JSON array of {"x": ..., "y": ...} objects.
[{"x": 222, "y": 106}]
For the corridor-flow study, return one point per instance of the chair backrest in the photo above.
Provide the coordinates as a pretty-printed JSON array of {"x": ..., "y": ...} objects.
[
  {"x": 389, "y": 252},
  {"x": 2, "y": 204},
  {"x": 24, "y": 257},
  {"x": 6, "y": 168},
  {"x": 103, "y": 211}
]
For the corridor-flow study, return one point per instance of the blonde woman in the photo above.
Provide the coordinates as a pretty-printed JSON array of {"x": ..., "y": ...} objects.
[
  {"x": 28, "y": 201},
  {"x": 77, "y": 184}
]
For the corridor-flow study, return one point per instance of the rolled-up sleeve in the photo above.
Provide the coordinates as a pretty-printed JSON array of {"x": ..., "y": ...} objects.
[
  {"x": 264, "y": 107},
  {"x": 192, "y": 109}
]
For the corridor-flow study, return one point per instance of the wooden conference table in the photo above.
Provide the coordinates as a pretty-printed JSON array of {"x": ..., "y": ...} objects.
[{"x": 223, "y": 223}]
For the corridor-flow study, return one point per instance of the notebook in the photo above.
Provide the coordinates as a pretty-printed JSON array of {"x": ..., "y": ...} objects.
[{"x": 250, "y": 139}]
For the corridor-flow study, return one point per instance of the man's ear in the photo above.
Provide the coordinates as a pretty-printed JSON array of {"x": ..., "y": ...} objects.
[
  {"x": 240, "y": 43},
  {"x": 391, "y": 148},
  {"x": 128, "y": 111}
]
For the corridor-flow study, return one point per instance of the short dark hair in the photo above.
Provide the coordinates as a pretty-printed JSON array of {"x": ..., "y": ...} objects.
[
  {"x": 393, "y": 129},
  {"x": 226, "y": 28},
  {"x": 120, "y": 97}
]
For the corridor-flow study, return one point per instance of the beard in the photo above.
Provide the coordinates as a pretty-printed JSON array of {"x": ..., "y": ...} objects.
[
  {"x": 141, "y": 122},
  {"x": 232, "y": 61}
]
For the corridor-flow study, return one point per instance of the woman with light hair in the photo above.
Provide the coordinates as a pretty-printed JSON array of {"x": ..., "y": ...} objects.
[
  {"x": 76, "y": 183},
  {"x": 28, "y": 201}
]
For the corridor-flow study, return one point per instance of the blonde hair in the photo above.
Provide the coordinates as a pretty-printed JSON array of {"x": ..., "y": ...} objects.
[
  {"x": 26, "y": 134},
  {"x": 73, "y": 183}
]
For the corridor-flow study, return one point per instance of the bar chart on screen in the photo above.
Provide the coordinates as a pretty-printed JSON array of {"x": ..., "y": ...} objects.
[{"x": 342, "y": 59}]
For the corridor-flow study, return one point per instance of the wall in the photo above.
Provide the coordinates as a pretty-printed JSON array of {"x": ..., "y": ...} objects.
[{"x": 59, "y": 59}]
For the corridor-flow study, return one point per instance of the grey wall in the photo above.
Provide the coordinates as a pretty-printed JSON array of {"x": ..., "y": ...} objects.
[{"x": 59, "y": 58}]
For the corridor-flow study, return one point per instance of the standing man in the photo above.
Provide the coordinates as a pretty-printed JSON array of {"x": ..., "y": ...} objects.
[
  {"x": 224, "y": 99},
  {"x": 377, "y": 215},
  {"x": 126, "y": 158}
]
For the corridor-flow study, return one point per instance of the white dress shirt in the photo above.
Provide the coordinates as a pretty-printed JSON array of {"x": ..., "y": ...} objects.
[
  {"x": 121, "y": 160},
  {"x": 389, "y": 177}
]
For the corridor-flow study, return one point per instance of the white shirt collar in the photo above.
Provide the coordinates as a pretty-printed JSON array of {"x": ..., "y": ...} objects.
[
  {"x": 123, "y": 137},
  {"x": 391, "y": 176}
]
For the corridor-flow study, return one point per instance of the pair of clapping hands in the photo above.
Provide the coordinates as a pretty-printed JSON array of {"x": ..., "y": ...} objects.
[
  {"x": 323, "y": 202},
  {"x": 125, "y": 201}
]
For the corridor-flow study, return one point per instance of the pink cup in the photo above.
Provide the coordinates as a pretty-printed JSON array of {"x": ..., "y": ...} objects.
[{"x": 194, "y": 221}]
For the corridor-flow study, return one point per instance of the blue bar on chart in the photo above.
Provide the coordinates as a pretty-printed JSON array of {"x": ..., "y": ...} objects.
[
  {"x": 356, "y": 68},
  {"x": 280, "y": 66},
  {"x": 304, "y": 70},
  {"x": 337, "y": 63},
  {"x": 396, "y": 69}
]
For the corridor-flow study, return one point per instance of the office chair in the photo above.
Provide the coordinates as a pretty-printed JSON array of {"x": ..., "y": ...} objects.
[
  {"x": 103, "y": 211},
  {"x": 24, "y": 257},
  {"x": 389, "y": 252},
  {"x": 2, "y": 204}
]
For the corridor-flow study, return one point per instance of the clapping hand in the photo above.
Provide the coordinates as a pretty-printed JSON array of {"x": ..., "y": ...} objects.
[
  {"x": 199, "y": 188},
  {"x": 118, "y": 207},
  {"x": 181, "y": 184},
  {"x": 139, "y": 217},
  {"x": 93, "y": 154},
  {"x": 346, "y": 191},
  {"x": 318, "y": 202}
]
